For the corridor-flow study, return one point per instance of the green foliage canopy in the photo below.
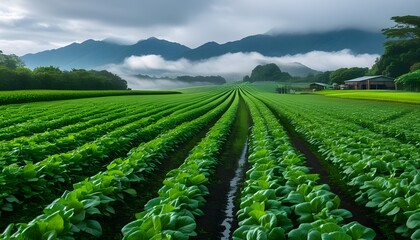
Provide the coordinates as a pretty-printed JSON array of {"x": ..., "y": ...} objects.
[
  {"x": 410, "y": 81},
  {"x": 268, "y": 72},
  {"x": 342, "y": 74},
  {"x": 10, "y": 61},
  {"x": 403, "y": 50},
  {"x": 53, "y": 78}
]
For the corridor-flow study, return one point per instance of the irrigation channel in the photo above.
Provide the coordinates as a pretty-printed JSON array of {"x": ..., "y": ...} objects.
[
  {"x": 219, "y": 221},
  {"x": 234, "y": 187}
]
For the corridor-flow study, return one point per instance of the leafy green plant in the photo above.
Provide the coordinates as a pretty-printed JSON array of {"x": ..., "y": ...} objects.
[{"x": 184, "y": 188}]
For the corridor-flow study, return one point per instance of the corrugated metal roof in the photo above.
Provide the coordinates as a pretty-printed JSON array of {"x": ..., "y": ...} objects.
[
  {"x": 361, "y": 79},
  {"x": 321, "y": 84}
]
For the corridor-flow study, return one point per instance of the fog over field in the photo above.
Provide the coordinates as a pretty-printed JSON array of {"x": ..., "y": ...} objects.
[{"x": 232, "y": 66}]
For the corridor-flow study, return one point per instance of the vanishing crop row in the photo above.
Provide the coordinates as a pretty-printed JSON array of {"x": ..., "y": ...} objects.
[
  {"x": 41, "y": 124},
  {"x": 172, "y": 214},
  {"x": 19, "y": 184},
  {"x": 393, "y": 120},
  {"x": 39, "y": 146},
  {"x": 23, "y": 96},
  {"x": 19, "y": 113},
  {"x": 61, "y": 114},
  {"x": 384, "y": 171},
  {"x": 76, "y": 211},
  {"x": 25, "y": 113},
  {"x": 280, "y": 199}
]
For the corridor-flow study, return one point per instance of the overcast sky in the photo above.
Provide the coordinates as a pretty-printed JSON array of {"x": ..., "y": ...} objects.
[{"x": 28, "y": 26}]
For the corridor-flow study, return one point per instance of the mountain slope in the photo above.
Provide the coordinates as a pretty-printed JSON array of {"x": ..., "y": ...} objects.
[
  {"x": 279, "y": 45},
  {"x": 94, "y": 54},
  {"x": 76, "y": 55}
]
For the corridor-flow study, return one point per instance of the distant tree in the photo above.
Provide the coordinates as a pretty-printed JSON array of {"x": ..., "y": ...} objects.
[
  {"x": 24, "y": 75},
  {"x": 246, "y": 79},
  {"x": 402, "y": 50},
  {"x": 342, "y": 74},
  {"x": 10, "y": 61},
  {"x": 410, "y": 81},
  {"x": 323, "y": 77},
  {"x": 14, "y": 78},
  {"x": 47, "y": 77},
  {"x": 268, "y": 72},
  {"x": 8, "y": 79}
]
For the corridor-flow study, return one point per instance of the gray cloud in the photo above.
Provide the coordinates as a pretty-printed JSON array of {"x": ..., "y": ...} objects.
[
  {"x": 126, "y": 13},
  {"x": 232, "y": 66},
  {"x": 46, "y": 24}
]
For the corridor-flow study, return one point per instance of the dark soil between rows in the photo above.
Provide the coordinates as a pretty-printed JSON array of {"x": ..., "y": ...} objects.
[
  {"x": 330, "y": 175},
  {"x": 209, "y": 226},
  {"x": 125, "y": 212}
]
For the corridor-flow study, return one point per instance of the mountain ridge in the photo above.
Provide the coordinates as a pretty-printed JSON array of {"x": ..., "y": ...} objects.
[{"x": 94, "y": 54}]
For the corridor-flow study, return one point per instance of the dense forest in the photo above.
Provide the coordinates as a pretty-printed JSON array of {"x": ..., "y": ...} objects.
[{"x": 14, "y": 76}]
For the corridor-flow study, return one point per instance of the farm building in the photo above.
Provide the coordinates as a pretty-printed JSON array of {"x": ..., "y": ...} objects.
[
  {"x": 371, "y": 82},
  {"x": 319, "y": 86}
]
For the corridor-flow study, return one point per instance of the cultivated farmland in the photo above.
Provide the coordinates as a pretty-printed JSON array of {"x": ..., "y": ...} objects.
[{"x": 228, "y": 162}]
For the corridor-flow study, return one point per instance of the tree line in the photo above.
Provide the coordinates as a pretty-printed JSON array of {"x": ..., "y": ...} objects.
[{"x": 14, "y": 76}]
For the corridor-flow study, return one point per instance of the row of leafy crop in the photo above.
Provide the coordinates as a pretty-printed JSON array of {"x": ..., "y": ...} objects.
[
  {"x": 22, "y": 185},
  {"x": 13, "y": 116},
  {"x": 406, "y": 127},
  {"x": 77, "y": 210},
  {"x": 71, "y": 112},
  {"x": 398, "y": 121},
  {"x": 280, "y": 199},
  {"x": 172, "y": 214},
  {"x": 384, "y": 171},
  {"x": 39, "y": 146},
  {"x": 24, "y": 96},
  {"x": 38, "y": 125},
  {"x": 18, "y": 114}
]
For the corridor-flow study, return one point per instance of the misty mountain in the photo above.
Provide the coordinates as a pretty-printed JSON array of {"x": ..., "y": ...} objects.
[
  {"x": 296, "y": 69},
  {"x": 94, "y": 54},
  {"x": 283, "y": 44}
]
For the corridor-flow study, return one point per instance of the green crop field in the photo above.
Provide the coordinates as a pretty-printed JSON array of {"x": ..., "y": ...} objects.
[
  {"x": 22, "y": 96},
  {"x": 167, "y": 166},
  {"x": 379, "y": 95}
]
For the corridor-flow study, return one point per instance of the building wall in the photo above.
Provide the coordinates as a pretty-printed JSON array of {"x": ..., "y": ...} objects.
[{"x": 377, "y": 83}]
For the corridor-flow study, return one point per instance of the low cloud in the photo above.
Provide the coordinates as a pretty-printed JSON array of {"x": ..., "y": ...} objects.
[
  {"x": 232, "y": 66},
  {"x": 155, "y": 84},
  {"x": 325, "y": 61}
]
